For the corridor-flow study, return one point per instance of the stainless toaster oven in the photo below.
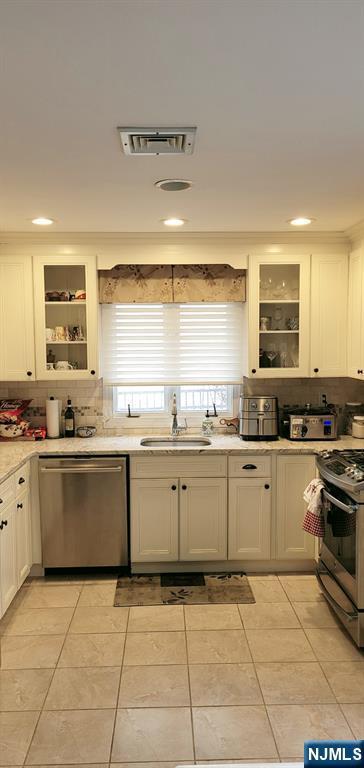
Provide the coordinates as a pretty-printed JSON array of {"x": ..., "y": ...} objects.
[{"x": 310, "y": 423}]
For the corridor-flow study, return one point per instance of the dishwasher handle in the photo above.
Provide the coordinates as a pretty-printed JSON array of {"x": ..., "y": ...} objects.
[{"x": 86, "y": 469}]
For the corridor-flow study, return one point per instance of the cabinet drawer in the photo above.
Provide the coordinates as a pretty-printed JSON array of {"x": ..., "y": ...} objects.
[
  {"x": 22, "y": 478},
  {"x": 178, "y": 466},
  {"x": 250, "y": 466},
  {"x": 7, "y": 492}
]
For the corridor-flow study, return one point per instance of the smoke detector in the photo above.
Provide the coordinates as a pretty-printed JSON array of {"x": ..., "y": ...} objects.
[
  {"x": 173, "y": 185},
  {"x": 157, "y": 141}
]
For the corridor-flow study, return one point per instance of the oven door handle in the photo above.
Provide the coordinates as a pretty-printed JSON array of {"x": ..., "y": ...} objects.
[
  {"x": 351, "y": 509},
  {"x": 350, "y": 615}
]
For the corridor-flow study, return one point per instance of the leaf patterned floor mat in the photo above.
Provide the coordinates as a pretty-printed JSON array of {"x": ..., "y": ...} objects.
[{"x": 183, "y": 588}]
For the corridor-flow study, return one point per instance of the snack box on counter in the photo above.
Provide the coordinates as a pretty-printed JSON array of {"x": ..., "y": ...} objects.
[{"x": 13, "y": 426}]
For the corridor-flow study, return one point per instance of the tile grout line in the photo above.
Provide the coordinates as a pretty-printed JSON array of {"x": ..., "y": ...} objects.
[
  {"x": 119, "y": 686},
  {"x": 50, "y": 682},
  {"x": 189, "y": 687},
  {"x": 346, "y": 720},
  {"x": 261, "y": 691}
]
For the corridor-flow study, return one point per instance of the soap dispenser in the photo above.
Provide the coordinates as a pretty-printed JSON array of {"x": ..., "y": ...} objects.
[{"x": 207, "y": 424}]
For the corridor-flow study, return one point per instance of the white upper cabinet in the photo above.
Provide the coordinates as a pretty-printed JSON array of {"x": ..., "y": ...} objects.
[
  {"x": 16, "y": 319},
  {"x": 66, "y": 317},
  {"x": 329, "y": 280},
  {"x": 356, "y": 314},
  {"x": 279, "y": 305}
]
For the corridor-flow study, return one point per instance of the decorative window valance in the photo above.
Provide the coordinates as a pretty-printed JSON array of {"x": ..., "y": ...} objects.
[{"x": 167, "y": 284}]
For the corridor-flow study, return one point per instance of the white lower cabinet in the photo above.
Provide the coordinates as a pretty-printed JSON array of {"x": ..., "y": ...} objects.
[
  {"x": 8, "y": 566},
  {"x": 15, "y": 535},
  {"x": 23, "y": 538},
  {"x": 178, "y": 519},
  {"x": 294, "y": 472},
  {"x": 154, "y": 520},
  {"x": 186, "y": 518},
  {"x": 202, "y": 519},
  {"x": 249, "y": 518}
]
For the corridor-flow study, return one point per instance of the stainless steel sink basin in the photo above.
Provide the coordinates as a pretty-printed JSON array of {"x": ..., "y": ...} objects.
[{"x": 175, "y": 442}]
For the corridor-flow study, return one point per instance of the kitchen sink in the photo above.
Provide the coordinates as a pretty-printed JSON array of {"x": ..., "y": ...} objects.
[{"x": 174, "y": 442}]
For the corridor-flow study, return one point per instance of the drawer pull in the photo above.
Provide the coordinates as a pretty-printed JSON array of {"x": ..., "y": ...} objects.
[
  {"x": 1, "y": 501},
  {"x": 19, "y": 506},
  {"x": 21, "y": 480},
  {"x": 249, "y": 466},
  {"x": 184, "y": 487},
  {"x": 174, "y": 487},
  {"x": 266, "y": 486},
  {"x": 4, "y": 522}
]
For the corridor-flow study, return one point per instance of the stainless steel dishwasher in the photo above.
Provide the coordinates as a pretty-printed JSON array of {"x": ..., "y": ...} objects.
[{"x": 83, "y": 507}]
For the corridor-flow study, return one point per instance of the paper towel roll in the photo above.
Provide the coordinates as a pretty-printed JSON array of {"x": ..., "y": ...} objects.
[{"x": 53, "y": 408}]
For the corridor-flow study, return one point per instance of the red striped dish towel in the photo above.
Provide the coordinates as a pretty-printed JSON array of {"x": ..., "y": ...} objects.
[{"x": 314, "y": 521}]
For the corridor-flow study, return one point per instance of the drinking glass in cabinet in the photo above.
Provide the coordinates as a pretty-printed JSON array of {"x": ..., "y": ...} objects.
[{"x": 279, "y": 282}]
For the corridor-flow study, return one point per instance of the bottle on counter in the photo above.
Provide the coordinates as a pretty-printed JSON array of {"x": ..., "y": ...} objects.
[{"x": 69, "y": 420}]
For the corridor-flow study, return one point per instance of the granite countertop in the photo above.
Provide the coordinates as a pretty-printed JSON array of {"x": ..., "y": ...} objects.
[{"x": 13, "y": 455}]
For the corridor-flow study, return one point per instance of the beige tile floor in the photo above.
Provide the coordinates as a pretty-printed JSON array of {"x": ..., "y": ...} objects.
[{"x": 84, "y": 683}]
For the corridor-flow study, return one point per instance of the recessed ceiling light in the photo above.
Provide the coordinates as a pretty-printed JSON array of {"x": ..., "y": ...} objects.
[
  {"x": 173, "y": 222},
  {"x": 173, "y": 185},
  {"x": 300, "y": 221},
  {"x": 42, "y": 221}
]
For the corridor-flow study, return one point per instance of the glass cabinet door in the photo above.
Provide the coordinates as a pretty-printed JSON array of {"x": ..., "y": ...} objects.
[
  {"x": 65, "y": 317},
  {"x": 280, "y": 319}
]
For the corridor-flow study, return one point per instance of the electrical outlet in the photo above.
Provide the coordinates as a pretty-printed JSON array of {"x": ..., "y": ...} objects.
[{"x": 323, "y": 398}]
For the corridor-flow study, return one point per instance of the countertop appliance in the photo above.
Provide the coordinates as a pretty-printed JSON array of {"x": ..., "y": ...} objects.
[
  {"x": 309, "y": 422},
  {"x": 84, "y": 514},
  {"x": 258, "y": 418},
  {"x": 341, "y": 566}
]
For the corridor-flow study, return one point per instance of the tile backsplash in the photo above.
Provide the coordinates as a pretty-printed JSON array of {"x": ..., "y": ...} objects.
[{"x": 88, "y": 397}]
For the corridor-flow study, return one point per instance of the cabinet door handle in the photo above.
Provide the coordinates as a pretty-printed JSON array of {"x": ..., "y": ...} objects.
[
  {"x": 174, "y": 487},
  {"x": 1, "y": 525},
  {"x": 1, "y": 501},
  {"x": 21, "y": 481},
  {"x": 315, "y": 370},
  {"x": 29, "y": 373},
  {"x": 4, "y": 522},
  {"x": 249, "y": 466},
  {"x": 19, "y": 506},
  {"x": 360, "y": 370},
  {"x": 184, "y": 487},
  {"x": 266, "y": 486},
  {"x": 254, "y": 370},
  {"x": 92, "y": 372}
]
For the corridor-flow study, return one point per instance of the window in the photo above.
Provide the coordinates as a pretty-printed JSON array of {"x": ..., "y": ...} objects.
[
  {"x": 145, "y": 399},
  {"x": 158, "y": 400},
  {"x": 188, "y": 345}
]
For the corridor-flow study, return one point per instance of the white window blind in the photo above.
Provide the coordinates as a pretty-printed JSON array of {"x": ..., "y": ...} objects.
[{"x": 172, "y": 343}]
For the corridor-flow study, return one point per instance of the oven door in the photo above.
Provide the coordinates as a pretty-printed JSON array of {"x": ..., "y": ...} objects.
[{"x": 339, "y": 550}]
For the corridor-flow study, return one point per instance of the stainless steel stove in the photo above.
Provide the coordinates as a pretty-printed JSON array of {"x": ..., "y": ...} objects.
[{"x": 341, "y": 565}]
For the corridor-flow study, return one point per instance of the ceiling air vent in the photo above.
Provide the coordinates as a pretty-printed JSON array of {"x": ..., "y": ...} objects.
[{"x": 157, "y": 141}]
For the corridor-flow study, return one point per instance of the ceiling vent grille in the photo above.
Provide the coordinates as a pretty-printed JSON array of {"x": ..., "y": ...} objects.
[{"x": 157, "y": 141}]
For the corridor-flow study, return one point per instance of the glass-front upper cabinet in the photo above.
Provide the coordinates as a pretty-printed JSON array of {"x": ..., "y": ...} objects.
[
  {"x": 66, "y": 312},
  {"x": 278, "y": 316}
]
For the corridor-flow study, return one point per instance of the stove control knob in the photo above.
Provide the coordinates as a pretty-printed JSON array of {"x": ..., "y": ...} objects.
[
  {"x": 360, "y": 475},
  {"x": 325, "y": 454}
]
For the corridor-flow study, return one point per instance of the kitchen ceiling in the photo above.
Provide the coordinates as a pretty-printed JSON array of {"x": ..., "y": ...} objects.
[{"x": 275, "y": 88}]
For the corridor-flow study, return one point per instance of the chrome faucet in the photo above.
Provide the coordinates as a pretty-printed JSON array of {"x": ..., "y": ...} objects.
[{"x": 175, "y": 428}]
